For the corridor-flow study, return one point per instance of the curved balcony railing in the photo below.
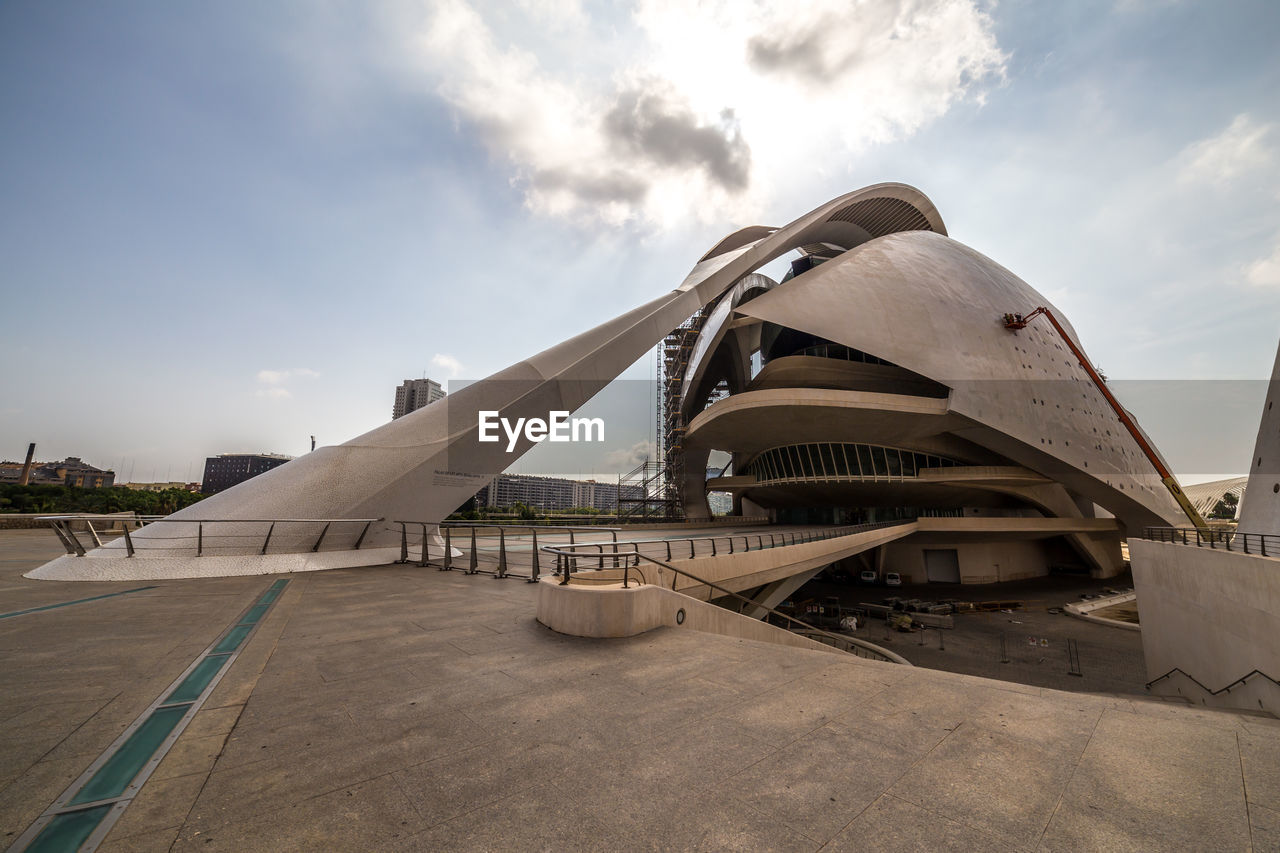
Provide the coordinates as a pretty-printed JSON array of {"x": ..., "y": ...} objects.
[
  {"x": 631, "y": 559},
  {"x": 296, "y": 538},
  {"x": 1261, "y": 544}
]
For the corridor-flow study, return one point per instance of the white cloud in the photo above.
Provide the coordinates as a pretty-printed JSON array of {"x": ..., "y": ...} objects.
[
  {"x": 1240, "y": 149},
  {"x": 1265, "y": 272},
  {"x": 704, "y": 107},
  {"x": 271, "y": 382},
  {"x": 448, "y": 364},
  {"x": 629, "y": 457},
  {"x": 274, "y": 393}
]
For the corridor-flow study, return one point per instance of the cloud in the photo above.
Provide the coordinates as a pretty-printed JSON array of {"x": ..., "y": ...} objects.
[
  {"x": 274, "y": 393},
  {"x": 1265, "y": 272},
  {"x": 448, "y": 364},
  {"x": 629, "y": 457},
  {"x": 695, "y": 111},
  {"x": 1240, "y": 149},
  {"x": 271, "y": 382}
]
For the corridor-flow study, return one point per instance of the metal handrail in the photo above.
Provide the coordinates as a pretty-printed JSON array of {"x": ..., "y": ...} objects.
[
  {"x": 775, "y": 540},
  {"x": 62, "y": 528},
  {"x": 564, "y": 556},
  {"x": 473, "y": 562},
  {"x": 1209, "y": 690},
  {"x": 1263, "y": 544}
]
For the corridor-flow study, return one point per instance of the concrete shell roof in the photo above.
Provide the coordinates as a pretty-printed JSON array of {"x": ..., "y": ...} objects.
[{"x": 933, "y": 306}]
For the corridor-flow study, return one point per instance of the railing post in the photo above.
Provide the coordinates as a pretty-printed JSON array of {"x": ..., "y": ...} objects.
[
  {"x": 690, "y": 547},
  {"x": 404, "y": 543},
  {"x": 448, "y": 553},
  {"x": 267, "y": 541},
  {"x": 563, "y": 559},
  {"x": 502, "y": 553},
  {"x": 200, "y": 539},
  {"x": 614, "y": 534},
  {"x": 668, "y": 550},
  {"x": 67, "y": 539},
  {"x": 422, "y": 562},
  {"x": 471, "y": 568},
  {"x": 713, "y": 553},
  {"x": 93, "y": 534},
  {"x": 1264, "y": 544},
  {"x": 713, "y": 546},
  {"x": 128, "y": 543},
  {"x": 533, "y": 573},
  {"x": 363, "y": 533},
  {"x": 320, "y": 538}
]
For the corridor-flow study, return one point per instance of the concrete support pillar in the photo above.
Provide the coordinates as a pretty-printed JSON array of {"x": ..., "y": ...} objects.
[{"x": 777, "y": 592}]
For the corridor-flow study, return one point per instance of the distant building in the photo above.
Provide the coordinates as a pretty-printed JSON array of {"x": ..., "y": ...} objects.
[
  {"x": 72, "y": 471},
  {"x": 162, "y": 487},
  {"x": 414, "y": 394},
  {"x": 225, "y": 470},
  {"x": 551, "y": 494}
]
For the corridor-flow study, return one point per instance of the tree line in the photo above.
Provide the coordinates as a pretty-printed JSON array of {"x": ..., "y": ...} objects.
[{"x": 67, "y": 499}]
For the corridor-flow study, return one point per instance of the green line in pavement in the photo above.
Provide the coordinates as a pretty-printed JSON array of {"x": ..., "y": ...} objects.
[
  {"x": 69, "y": 603},
  {"x": 114, "y": 776},
  {"x": 66, "y": 832}
]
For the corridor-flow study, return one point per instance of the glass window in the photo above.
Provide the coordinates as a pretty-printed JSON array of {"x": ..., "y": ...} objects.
[
  {"x": 908, "y": 463},
  {"x": 806, "y": 461},
  {"x": 864, "y": 461},
  {"x": 828, "y": 462},
  {"x": 895, "y": 461},
  {"x": 794, "y": 457},
  {"x": 842, "y": 464},
  {"x": 877, "y": 460}
]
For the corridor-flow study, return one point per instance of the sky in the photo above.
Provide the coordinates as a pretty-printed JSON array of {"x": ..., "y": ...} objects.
[{"x": 227, "y": 227}]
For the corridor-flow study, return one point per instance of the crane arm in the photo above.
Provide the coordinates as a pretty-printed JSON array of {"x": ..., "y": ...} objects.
[{"x": 1013, "y": 322}]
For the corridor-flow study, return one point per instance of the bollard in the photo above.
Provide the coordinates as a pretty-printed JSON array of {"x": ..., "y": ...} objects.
[
  {"x": 471, "y": 568},
  {"x": 502, "y": 554},
  {"x": 533, "y": 574}
]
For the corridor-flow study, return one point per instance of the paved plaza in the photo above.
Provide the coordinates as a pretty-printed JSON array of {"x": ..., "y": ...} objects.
[{"x": 402, "y": 708}]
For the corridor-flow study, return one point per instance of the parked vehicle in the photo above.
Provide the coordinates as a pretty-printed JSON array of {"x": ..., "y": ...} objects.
[
  {"x": 892, "y": 579},
  {"x": 868, "y": 577}
]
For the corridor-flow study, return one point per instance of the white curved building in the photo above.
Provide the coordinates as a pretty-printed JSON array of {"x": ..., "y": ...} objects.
[{"x": 885, "y": 338}]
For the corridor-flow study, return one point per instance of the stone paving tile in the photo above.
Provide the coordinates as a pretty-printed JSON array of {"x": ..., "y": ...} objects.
[
  {"x": 371, "y": 815},
  {"x": 446, "y": 788},
  {"x": 820, "y": 782},
  {"x": 986, "y": 778},
  {"x": 545, "y": 819},
  {"x": 25, "y": 800},
  {"x": 896, "y": 826},
  {"x": 162, "y": 804},
  {"x": 1260, "y": 758},
  {"x": 1145, "y": 786},
  {"x": 1264, "y": 825},
  {"x": 159, "y": 841}
]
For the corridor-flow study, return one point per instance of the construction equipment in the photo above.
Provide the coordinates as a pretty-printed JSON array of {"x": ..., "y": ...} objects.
[{"x": 1014, "y": 322}]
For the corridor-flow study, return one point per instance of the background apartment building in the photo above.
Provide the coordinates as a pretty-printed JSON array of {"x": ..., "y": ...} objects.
[{"x": 414, "y": 394}]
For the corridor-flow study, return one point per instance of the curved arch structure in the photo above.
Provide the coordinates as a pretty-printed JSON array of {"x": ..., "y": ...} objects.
[{"x": 424, "y": 465}]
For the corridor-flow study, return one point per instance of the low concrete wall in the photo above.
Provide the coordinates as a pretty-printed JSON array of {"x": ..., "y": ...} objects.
[
  {"x": 1215, "y": 615},
  {"x": 1084, "y": 610},
  {"x": 611, "y": 611}
]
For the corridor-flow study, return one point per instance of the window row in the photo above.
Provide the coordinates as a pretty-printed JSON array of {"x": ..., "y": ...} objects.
[{"x": 842, "y": 461}]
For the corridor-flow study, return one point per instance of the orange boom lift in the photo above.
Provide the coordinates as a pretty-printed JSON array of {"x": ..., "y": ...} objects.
[{"x": 1014, "y": 322}]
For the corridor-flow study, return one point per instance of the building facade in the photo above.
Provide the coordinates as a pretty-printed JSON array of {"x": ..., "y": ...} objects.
[
  {"x": 551, "y": 494},
  {"x": 413, "y": 394},
  {"x": 72, "y": 471},
  {"x": 225, "y": 470}
]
